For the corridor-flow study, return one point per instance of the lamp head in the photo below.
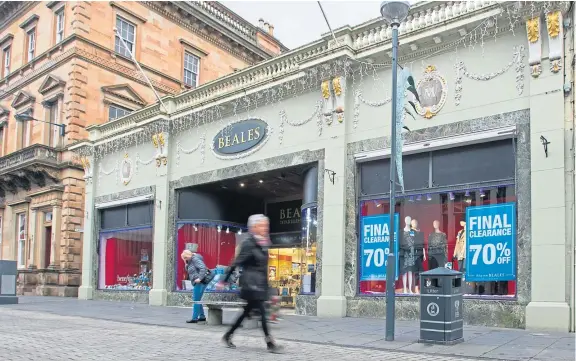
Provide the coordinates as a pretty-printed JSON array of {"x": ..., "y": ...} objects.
[
  {"x": 394, "y": 12},
  {"x": 23, "y": 117}
]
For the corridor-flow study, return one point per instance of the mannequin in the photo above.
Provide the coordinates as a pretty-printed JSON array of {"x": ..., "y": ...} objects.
[
  {"x": 407, "y": 255},
  {"x": 419, "y": 250},
  {"x": 460, "y": 249},
  {"x": 437, "y": 247}
]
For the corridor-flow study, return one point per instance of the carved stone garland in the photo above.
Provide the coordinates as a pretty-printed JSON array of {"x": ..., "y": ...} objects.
[
  {"x": 200, "y": 146},
  {"x": 517, "y": 62},
  {"x": 101, "y": 171},
  {"x": 359, "y": 99},
  {"x": 316, "y": 114}
]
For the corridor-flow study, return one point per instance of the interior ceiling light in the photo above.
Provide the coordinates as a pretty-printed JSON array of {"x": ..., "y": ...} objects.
[
  {"x": 241, "y": 184},
  {"x": 261, "y": 181}
]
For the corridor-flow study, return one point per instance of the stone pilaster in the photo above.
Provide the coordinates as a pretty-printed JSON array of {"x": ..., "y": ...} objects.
[
  {"x": 548, "y": 307},
  {"x": 81, "y": 17},
  {"x": 162, "y": 240},
  {"x": 56, "y": 234},
  {"x": 33, "y": 237},
  {"x": 86, "y": 290}
]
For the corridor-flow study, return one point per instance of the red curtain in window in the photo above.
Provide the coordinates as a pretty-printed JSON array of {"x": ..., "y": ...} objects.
[
  {"x": 217, "y": 248},
  {"x": 123, "y": 259}
]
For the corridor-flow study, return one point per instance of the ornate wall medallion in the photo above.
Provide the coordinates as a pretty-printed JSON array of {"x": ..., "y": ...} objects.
[
  {"x": 241, "y": 138},
  {"x": 126, "y": 170},
  {"x": 433, "y": 90}
]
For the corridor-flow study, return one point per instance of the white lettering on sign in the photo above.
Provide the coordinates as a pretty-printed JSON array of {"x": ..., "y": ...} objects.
[
  {"x": 120, "y": 279},
  {"x": 430, "y": 92},
  {"x": 375, "y": 233},
  {"x": 490, "y": 226},
  {"x": 290, "y": 213}
]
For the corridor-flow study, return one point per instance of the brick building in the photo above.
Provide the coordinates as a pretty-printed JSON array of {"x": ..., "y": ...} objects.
[{"x": 62, "y": 63}]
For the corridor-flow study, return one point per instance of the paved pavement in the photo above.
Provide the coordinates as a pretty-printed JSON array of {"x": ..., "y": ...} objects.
[{"x": 100, "y": 330}]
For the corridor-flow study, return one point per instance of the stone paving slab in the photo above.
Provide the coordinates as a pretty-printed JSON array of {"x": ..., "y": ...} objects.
[
  {"x": 480, "y": 342},
  {"x": 34, "y": 335}
]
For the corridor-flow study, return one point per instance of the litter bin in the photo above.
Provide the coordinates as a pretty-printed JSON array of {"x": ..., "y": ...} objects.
[
  {"x": 441, "y": 319},
  {"x": 8, "y": 275}
]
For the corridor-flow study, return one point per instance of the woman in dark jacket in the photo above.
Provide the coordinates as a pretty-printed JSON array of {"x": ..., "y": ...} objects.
[
  {"x": 199, "y": 276},
  {"x": 253, "y": 258}
]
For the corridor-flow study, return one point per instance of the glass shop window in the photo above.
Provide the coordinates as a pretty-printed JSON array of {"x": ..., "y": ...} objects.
[
  {"x": 125, "y": 250},
  {"x": 216, "y": 243},
  {"x": 433, "y": 232}
]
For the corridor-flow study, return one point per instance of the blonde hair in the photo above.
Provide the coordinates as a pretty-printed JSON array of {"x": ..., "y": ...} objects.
[{"x": 186, "y": 253}]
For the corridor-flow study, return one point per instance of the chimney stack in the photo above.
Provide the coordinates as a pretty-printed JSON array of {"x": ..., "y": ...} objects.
[
  {"x": 261, "y": 23},
  {"x": 271, "y": 29},
  {"x": 266, "y": 27}
]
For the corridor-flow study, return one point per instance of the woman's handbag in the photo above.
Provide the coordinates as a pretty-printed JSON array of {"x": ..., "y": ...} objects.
[{"x": 208, "y": 277}]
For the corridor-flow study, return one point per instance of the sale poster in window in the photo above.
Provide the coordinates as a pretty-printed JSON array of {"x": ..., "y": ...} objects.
[
  {"x": 491, "y": 243},
  {"x": 375, "y": 246}
]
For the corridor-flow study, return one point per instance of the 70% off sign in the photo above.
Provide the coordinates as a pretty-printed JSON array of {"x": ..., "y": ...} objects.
[{"x": 491, "y": 242}]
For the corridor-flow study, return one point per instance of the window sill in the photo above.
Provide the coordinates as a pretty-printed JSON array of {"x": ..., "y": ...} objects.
[
  {"x": 111, "y": 290},
  {"x": 466, "y": 297}
]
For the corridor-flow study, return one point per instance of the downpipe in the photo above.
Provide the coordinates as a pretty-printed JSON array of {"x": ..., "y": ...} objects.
[{"x": 570, "y": 62}]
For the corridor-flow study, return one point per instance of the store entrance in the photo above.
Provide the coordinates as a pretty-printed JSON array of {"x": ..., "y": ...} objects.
[{"x": 212, "y": 218}]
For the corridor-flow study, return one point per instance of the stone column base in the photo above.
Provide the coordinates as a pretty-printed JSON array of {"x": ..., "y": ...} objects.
[
  {"x": 157, "y": 297},
  {"x": 552, "y": 316},
  {"x": 86, "y": 293},
  {"x": 331, "y": 306}
]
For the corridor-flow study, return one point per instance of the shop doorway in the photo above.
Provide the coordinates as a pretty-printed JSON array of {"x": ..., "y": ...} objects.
[{"x": 213, "y": 216}]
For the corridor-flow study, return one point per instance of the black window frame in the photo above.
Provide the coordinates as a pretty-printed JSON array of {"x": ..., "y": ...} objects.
[
  {"x": 384, "y": 183},
  {"x": 124, "y": 209}
]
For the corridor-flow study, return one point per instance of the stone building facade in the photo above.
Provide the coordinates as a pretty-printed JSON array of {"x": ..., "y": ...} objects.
[
  {"x": 493, "y": 132},
  {"x": 63, "y": 63}
]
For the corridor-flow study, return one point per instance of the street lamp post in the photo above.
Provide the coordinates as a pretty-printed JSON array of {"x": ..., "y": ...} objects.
[
  {"x": 26, "y": 117},
  {"x": 393, "y": 12}
]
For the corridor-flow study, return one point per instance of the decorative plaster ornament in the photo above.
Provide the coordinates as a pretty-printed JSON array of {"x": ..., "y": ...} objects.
[
  {"x": 339, "y": 86},
  {"x": 328, "y": 101},
  {"x": 433, "y": 91},
  {"x": 359, "y": 99},
  {"x": 159, "y": 143},
  {"x": 534, "y": 46},
  {"x": 85, "y": 161},
  {"x": 101, "y": 171},
  {"x": 200, "y": 146},
  {"x": 517, "y": 61},
  {"x": 325, "y": 89},
  {"x": 317, "y": 113},
  {"x": 251, "y": 151},
  {"x": 555, "y": 40},
  {"x": 126, "y": 170}
]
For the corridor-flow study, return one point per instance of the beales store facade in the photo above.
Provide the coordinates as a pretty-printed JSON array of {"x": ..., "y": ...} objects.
[{"x": 305, "y": 139}]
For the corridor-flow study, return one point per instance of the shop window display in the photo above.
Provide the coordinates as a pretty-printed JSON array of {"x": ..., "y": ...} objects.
[
  {"x": 126, "y": 259},
  {"x": 217, "y": 244},
  {"x": 432, "y": 232},
  {"x": 292, "y": 270}
]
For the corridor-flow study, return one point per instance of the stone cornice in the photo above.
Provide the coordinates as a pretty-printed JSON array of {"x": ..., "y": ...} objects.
[
  {"x": 160, "y": 8},
  {"x": 115, "y": 4},
  {"x": 296, "y": 63},
  {"x": 6, "y": 38}
]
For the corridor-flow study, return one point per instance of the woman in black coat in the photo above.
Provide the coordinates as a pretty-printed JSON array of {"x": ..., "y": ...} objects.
[{"x": 253, "y": 258}]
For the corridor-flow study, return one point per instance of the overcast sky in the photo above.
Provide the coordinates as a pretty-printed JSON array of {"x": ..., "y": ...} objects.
[{"x": 299, "y": 22}]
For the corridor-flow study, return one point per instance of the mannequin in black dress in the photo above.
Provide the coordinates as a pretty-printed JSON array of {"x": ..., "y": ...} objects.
[
  {"x": 437, "y": 247},
  {"x": 419, "y": 250}
]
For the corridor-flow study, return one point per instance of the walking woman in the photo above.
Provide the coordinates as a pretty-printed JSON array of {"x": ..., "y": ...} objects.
[
  {"x": 200, "y": 276},
  {"x": 253, "y": 259}
]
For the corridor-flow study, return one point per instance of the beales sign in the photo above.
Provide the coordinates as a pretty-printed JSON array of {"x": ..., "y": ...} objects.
[
  {"x": 284, "y": 216},
  {"x": 240, "y": 137}
]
